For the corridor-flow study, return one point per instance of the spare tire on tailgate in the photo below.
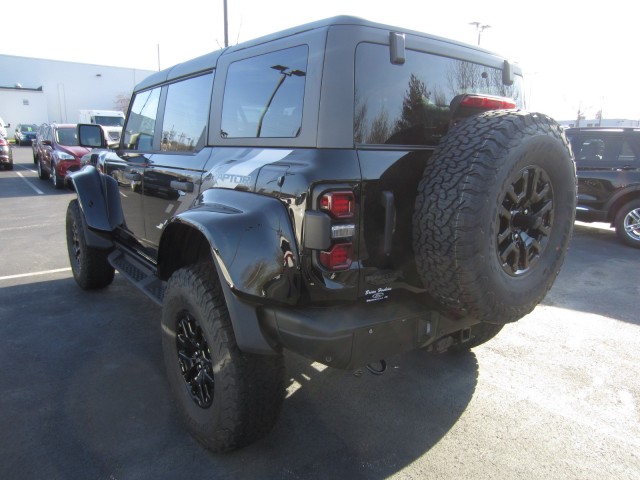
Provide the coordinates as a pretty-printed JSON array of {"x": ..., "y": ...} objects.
[{"x": 494, "y": 214}]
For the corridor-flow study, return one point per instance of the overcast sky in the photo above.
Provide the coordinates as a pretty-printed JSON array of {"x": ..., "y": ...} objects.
[{"x": 576, "y": 54}]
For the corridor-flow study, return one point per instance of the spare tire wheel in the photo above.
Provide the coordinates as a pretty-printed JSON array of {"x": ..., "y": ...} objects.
[{"x": 494, "y": 214}]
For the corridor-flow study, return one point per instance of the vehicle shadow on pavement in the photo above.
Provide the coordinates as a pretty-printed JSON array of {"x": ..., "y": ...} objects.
[
  {"x": 85, "y": 396},
  {"x": 600, "y": 276}
]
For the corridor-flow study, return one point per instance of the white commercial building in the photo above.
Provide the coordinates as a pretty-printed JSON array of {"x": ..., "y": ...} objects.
[{"x": 34, "y": 90}]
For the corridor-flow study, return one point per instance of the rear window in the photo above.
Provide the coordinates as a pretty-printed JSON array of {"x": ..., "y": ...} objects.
[{"x": 409, "y": 104}]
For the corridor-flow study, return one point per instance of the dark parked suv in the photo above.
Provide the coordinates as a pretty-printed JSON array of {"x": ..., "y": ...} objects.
[
  {"x": 344, "y": 190},
  {"x": 608, "y": 164}
]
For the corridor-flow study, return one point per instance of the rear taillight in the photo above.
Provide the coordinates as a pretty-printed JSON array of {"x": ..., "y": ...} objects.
[
  {"x": 338, "y": 257},
  {"x": 487, "y": 102},
  {"x": 338, "y": 204},
  {"x": 3, "y": 142},
  {"x": 338, "y": 228}
]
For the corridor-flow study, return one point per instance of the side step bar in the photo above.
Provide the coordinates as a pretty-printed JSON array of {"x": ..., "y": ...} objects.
[{"x": 142, "y": 275}]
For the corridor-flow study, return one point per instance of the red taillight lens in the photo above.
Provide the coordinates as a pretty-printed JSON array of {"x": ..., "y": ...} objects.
[
  {"x": 337, "y": 258},
  {"x": 487, "y": 103},
  {"x": 3, "y": 142},
  {"x": 338, "y": 204}
]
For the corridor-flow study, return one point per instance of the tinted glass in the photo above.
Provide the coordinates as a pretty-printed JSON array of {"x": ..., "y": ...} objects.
[
  {"x": 186, "y": 113},
  {"x": 66, "y": 136},
  {"x": 264, "y": 95},
  {"x": 600, "y": 149},
  {"x": 109, "y": 121},
  {"x": 141, "y": 123},
  {"x": 409, "y": 104}
]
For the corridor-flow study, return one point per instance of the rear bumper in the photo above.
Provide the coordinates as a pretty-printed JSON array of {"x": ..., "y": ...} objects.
[{"x": 357, "y": 335}]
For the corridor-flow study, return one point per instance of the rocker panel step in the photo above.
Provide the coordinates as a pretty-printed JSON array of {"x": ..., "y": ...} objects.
[{"x": 139, "y": 273}]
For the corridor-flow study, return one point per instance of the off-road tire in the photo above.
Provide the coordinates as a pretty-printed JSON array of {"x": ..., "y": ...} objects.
[
  {"x": 89, "y": 265},
  {"x": 227, "y": 398},
  {"x": 494, "y": 214},
  {"x": 627, "y": 223}
]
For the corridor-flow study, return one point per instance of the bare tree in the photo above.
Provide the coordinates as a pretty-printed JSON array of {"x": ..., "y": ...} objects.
[{"x": 122, "y": 102}]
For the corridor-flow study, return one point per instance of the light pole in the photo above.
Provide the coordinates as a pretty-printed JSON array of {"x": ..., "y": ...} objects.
[
  {"x": 226, "y": 26},
  {"x": 480, "y": 27}
]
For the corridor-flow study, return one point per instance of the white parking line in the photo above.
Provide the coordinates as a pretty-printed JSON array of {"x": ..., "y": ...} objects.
[
  {"x": 33, "y": 274},
  {"x": 37, "y": 190},
  {"x": 27, "y": 169}
]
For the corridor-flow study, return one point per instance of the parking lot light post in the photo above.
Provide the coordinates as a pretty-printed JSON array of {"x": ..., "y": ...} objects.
[{"x": 480, "y": 27}]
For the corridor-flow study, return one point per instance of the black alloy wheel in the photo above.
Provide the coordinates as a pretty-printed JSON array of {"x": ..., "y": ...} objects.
[
  {"x": 524, "y": 220},
  {"x": 194, "y": 359}
]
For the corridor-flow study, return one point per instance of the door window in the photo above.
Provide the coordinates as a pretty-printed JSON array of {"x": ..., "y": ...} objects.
[
  {"x": 186, "y": 114},
  {"x": 140, "y": 127}
]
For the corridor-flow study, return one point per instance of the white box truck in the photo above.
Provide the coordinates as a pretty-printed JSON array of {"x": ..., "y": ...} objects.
[{"x": 111, "y": 120}]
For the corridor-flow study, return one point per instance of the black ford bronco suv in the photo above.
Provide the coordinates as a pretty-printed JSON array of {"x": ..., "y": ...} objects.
[{"x": 344, "y": 190}]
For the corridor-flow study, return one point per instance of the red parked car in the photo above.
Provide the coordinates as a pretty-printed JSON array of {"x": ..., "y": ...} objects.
[{"x": 58, "y": 153}]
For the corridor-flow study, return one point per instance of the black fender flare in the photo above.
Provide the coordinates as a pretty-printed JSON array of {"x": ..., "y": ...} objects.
[
  {"x": 252, "y": 242},
  {"x": 251, "y": 238},
  {"x": 99, "y": 201}
]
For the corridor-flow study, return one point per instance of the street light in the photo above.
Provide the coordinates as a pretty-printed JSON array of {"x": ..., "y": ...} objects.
[{"x": 480, "y": 27}]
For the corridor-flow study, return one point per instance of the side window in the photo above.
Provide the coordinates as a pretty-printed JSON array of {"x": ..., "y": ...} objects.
[
  {"x": 140, "y": 127},
  {"x": 264, "y": 95},
  {"x": 597, "y": 150},
  {"x": 627, "y": 155},
  {"x": 409, "y": 104},
  {"x": 186, "y": 114}
]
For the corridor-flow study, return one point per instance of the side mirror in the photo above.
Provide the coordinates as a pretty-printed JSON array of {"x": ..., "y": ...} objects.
[{"x": 91, "y": 136}]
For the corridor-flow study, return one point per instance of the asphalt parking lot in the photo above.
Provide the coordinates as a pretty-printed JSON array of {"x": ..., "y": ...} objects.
[{"x": 83, "y": 392}]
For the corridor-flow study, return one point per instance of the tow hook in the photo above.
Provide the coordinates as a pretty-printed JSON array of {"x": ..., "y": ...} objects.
[{"x": 373, "y": 368}]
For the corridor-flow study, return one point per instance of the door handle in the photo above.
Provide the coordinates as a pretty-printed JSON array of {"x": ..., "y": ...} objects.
[{"x": 182, "y": 186}]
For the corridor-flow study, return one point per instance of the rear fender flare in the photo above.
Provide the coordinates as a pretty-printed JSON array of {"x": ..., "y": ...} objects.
[{"x": 252, "y": 242}]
